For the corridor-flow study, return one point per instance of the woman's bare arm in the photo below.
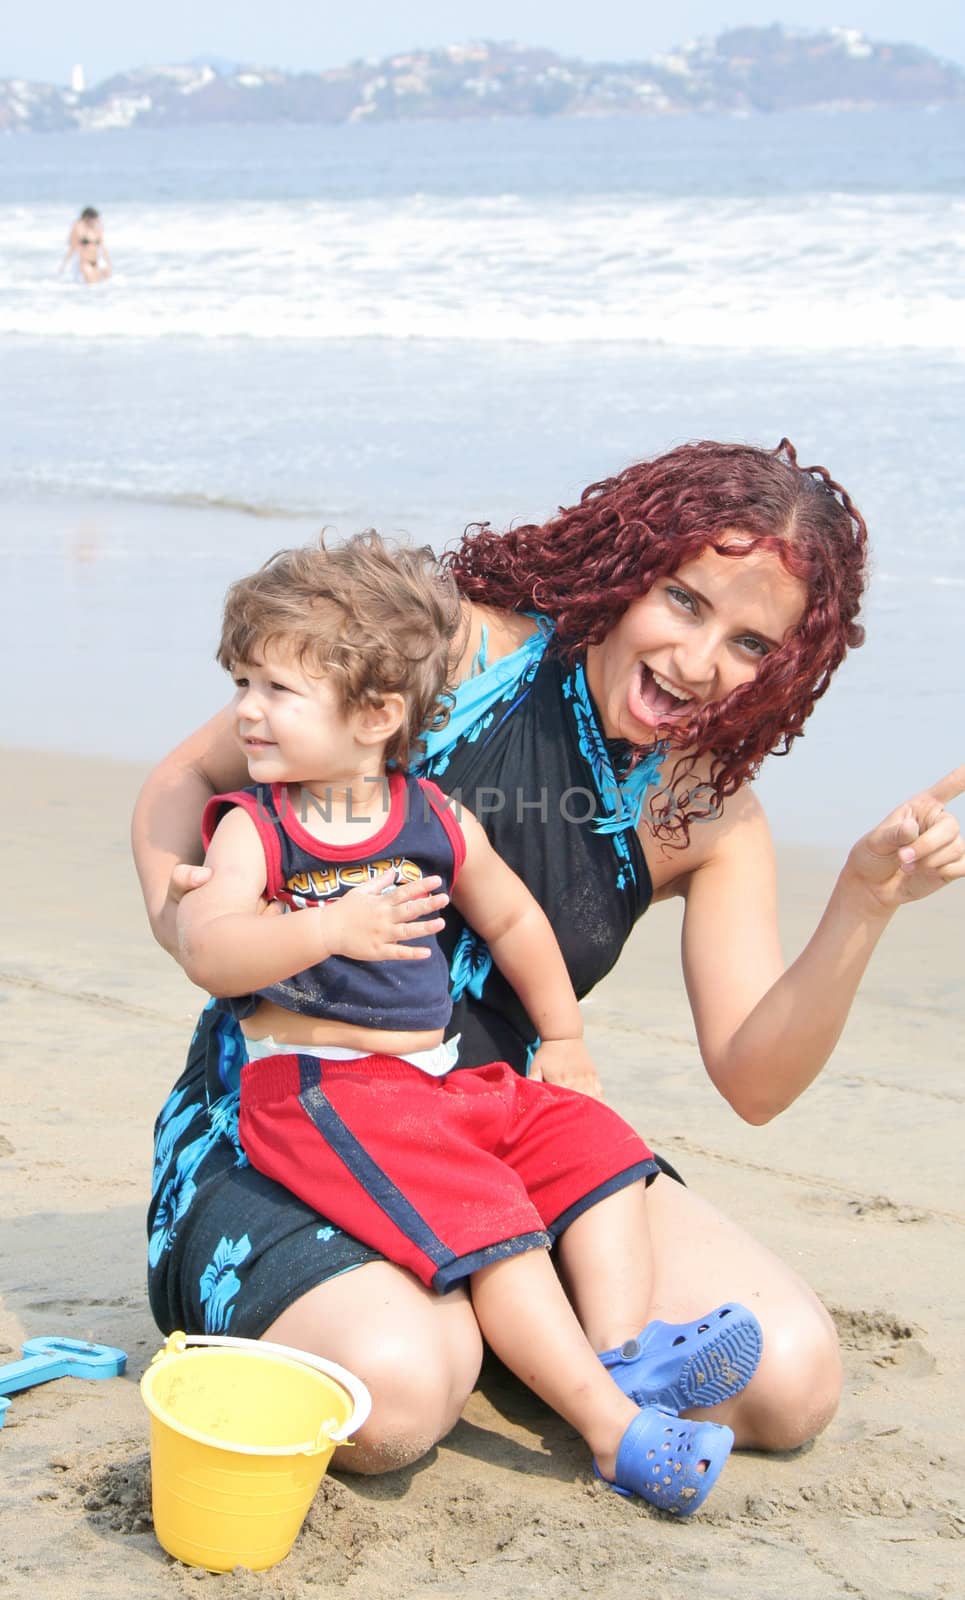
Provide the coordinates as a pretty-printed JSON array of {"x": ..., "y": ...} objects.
[
  {"x": 765, "y": 1033},
  {"x": 166, "y": 828},
  {"x": 72, "y": 243}
]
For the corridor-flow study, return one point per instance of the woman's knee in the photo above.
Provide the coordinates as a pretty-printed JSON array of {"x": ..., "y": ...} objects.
[
  {"x": 797, "y": 1388},
  {"x": 418, "y": 1353},
  {"x": 417, "y": 1397}
]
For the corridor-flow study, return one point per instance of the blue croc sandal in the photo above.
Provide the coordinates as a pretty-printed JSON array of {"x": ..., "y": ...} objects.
[
  {"x": 669, "y": 1462},
  {"x": 684, "y": 1364}
]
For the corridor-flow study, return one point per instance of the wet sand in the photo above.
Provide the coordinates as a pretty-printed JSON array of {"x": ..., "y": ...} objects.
[{"x": 858, "y": 1187}]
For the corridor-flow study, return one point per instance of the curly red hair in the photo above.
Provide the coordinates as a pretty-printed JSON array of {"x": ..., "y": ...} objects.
[{"x": 587, "y": 564}]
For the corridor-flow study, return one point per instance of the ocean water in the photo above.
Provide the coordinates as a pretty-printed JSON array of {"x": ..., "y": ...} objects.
[
  {"x": 422, "y": 326},
  {"x": 802, "y": 232}
]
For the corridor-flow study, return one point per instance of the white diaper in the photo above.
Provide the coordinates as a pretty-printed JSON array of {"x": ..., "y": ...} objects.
[{"x": 436, "y": 1062}]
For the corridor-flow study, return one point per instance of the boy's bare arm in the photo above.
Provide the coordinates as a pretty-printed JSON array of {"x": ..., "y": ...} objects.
[
  {"x": 497, "y": 904},
  {"x": 228, "y": 947},
  {"x": 225, "y": 945},
  {"x": 166, "y": 827}
]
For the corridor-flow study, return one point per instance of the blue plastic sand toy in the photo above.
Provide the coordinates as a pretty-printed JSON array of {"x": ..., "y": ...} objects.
[{"x": 44, "y": 1359}]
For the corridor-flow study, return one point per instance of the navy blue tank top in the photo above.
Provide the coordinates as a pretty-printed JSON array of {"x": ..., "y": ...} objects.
[{"x": 420, "y": 838}]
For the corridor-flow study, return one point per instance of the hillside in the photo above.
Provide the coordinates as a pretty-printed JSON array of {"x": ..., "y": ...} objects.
[{"x": 743, "y": 70}]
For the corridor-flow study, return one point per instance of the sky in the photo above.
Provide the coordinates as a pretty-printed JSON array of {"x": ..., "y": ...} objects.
[{"x": 44, "y": 39}]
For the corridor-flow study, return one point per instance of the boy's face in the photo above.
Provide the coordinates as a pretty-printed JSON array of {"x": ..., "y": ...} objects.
[{"x": 290, "y": 724}]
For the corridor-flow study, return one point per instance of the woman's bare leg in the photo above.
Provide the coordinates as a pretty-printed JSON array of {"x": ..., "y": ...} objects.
[
  {"x": 418, "y": 1352},
  {"x": 700, "y": 1259}
]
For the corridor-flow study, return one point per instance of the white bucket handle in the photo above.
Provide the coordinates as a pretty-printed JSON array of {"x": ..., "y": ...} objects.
[{"x": 361, "y": 1399}]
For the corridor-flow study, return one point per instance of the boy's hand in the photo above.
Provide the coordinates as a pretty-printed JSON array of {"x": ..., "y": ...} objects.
[
  {"x": 567, "y": 1062},
  {"x": 370, "y": 922}
]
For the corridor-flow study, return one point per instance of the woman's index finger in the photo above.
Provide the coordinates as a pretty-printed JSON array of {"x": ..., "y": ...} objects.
[{"x": 949, "y": 787}]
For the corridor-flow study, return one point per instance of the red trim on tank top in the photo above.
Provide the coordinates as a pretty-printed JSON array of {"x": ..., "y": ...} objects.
[
  {"x": 442, "y": 807},
  {"x": 267, "y": 833},
  {"x": 364, "y": 845}
]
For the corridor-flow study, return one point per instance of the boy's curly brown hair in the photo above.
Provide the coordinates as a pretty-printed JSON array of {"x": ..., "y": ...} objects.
[{"x": 373, "y": 618}]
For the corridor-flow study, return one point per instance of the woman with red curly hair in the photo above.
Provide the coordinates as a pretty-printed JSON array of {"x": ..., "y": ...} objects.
[{"x": 626, "y": 667}]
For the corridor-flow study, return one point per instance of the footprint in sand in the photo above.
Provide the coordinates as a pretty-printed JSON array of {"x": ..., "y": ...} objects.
[
  {"x": 886, "y": 1340},
  {"x": 869, "y": 1208}
]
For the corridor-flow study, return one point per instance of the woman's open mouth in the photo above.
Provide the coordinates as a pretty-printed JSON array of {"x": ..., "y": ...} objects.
[{"x": 655, "y": 699}]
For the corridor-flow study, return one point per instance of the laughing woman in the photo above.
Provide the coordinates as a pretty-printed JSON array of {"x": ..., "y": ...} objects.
[{"x": 626, "y": 668}]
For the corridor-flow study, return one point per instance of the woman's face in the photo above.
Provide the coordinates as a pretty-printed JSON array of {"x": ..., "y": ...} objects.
[{"x": 690, "y": 640}]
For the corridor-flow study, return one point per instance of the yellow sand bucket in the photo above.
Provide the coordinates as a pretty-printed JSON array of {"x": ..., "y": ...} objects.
[{"x": 241, "y": 1434}]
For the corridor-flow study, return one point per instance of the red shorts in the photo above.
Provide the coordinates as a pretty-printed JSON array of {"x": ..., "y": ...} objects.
[{"x": 442, "y": 1175}]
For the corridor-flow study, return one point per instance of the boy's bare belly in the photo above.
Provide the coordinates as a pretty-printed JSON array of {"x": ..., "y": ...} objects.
[{"x": 290, "y": 1028}]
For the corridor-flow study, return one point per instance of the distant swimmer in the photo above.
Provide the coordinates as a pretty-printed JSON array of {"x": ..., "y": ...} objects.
[{"x": 86, "y": 248}]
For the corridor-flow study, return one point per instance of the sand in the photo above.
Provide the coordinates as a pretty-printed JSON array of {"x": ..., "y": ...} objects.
[{"x": 857, "y": 1186}]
